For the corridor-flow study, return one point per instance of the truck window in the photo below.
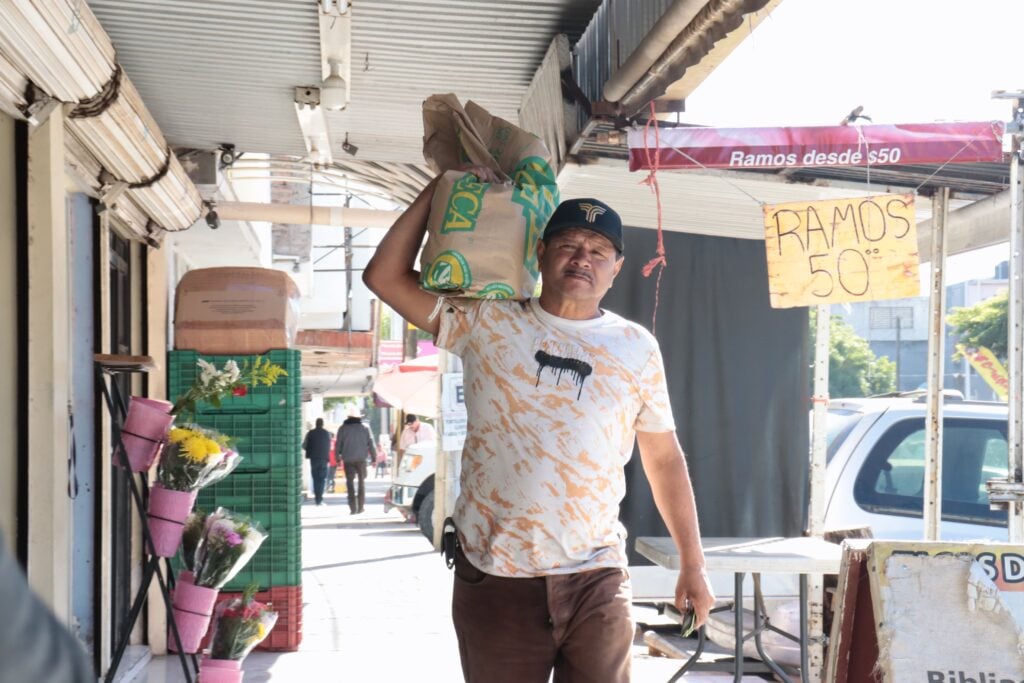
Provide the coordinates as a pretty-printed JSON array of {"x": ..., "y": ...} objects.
[
  {"x": 891, "y": 480},
  {"x": 840, "y": 423}
]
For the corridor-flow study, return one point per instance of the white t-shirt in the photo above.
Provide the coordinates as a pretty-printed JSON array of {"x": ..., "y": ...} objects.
[{"x": 553, "y": 406}]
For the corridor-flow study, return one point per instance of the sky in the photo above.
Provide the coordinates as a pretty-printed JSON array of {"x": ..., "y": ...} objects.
[{"x": 906, "y": 61}]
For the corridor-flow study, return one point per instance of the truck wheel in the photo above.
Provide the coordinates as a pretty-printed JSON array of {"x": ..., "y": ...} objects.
[{"x": 425, "y": 516}]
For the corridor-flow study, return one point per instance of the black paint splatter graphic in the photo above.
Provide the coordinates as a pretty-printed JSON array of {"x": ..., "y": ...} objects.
[{"x": 579, "y": 369}]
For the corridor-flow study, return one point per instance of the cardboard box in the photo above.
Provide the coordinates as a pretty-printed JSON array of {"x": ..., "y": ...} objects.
[{"x": 236, "y": 311}]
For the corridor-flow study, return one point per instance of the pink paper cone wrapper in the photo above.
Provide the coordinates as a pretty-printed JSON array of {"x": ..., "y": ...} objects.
[
  {"x": 220, "y": 670},
  {"x": 193, "y": 607},
  {"x": 168, "y": 511},
  {"x": 143, "y": 432}
]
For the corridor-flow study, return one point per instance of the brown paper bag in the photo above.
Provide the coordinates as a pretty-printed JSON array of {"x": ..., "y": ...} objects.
[{"x": 482, "y": 237}]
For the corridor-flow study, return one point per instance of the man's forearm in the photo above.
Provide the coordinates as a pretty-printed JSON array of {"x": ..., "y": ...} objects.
[
  {"x": 673, "y": 496},
  {"x": 665, "y": 466}
]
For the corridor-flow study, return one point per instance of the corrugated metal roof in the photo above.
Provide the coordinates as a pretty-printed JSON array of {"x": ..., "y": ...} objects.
[{"x": 223, "y": 71}]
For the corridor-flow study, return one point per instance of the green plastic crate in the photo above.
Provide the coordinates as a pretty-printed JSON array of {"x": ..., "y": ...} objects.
[
  {"x": 275, "y": 501},
  {"x": 265, "y": 445},
  {"x": 266, "y": 424},
  {"x": 254, "y": 494},
  {"x": 283, "y": 396}
]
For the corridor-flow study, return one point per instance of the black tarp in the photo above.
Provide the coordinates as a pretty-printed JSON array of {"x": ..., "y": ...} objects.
[{"x": 738, "y": 378}]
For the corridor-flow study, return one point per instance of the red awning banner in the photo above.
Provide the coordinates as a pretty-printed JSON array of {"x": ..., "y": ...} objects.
[{"x": 874, "y": 145}]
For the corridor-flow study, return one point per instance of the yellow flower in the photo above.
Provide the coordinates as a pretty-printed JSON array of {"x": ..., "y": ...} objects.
[
  {"x": 179, "y": 434},
  {"x": 261, "y": 630},
  {"x": 194, "y": 445}
]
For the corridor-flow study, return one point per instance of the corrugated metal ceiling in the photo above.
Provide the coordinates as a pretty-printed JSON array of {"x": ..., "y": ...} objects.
[{"x": 223, "y": 71}]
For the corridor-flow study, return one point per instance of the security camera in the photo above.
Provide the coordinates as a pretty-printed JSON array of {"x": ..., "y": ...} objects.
[
  {"x": 334, "y": 89},
  {"x": 212, "y": 219},
  {"x": 228, "y": 155},
  {"x": 349, "y": 147}
]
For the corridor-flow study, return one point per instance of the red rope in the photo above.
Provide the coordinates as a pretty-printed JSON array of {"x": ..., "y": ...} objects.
[{"x": 659, "y": 261}]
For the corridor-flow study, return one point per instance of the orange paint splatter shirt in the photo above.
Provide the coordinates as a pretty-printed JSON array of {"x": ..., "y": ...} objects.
[{"x": 553, "y": 410}]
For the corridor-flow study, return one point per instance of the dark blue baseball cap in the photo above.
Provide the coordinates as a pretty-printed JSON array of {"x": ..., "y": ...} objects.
[{"x": 586, "y": 214}]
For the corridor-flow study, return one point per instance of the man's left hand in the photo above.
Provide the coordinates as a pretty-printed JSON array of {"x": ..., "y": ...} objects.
[{"x": 693, "y": 590}]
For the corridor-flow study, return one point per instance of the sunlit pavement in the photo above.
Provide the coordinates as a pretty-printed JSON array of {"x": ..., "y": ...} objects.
[{"x": 377, "y": 605}]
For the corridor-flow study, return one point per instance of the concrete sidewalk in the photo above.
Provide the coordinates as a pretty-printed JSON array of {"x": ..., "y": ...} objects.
[{"x": 377, "y": 604}]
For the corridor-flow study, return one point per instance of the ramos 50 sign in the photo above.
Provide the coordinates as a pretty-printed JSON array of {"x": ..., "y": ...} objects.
[{"x": 832, "y": 251}]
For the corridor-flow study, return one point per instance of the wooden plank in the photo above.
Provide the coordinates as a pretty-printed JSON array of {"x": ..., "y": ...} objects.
[
  {"x": 853, "y": 645},
  {"x": 49, "y": 508},
  {"x": 123, "y": 362}
]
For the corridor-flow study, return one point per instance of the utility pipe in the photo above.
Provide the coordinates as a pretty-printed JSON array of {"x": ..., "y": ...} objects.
[
  {"x": 653, "y": 45},
  {"x": 724, "y": 16},
  {"x": 300, "y": 214}
]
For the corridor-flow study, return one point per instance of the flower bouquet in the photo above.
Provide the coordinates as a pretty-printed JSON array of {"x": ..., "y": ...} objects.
[
  {"x": 239, "y": 626},
  {"x": 195, "y": 525},
  {"x": 193, "y": 458},
  {"x": 227, "y": 544}
]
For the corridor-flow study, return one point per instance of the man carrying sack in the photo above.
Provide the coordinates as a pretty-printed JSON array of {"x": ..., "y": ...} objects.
[{"x": 556, "y": 392}]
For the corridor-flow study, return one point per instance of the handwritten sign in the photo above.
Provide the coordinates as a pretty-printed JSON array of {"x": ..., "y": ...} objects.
[{"x": 831, "y": 251}]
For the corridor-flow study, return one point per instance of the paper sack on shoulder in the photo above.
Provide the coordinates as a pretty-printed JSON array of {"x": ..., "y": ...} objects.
[{"x": 482, "y": 237}]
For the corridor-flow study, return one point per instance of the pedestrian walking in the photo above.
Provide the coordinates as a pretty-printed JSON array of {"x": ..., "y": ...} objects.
[
  {"x": 355, "y": 443},
  {"x": 317, "y": 445},
  {"x": 383, "y": 455},
  {"x": 557, "y": 390}
]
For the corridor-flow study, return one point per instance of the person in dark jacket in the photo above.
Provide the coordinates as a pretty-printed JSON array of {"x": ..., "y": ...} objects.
[
  {"x": 317, "y": 445},
  {"x": 355, "y": 444}
]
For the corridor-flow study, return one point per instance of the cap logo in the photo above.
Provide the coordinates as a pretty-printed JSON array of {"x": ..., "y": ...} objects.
[{"x": 592, "y": 211}]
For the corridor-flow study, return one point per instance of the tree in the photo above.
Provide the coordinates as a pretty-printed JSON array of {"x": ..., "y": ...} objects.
[
  {"x": 983, "y": 324},
  {"x": 853, "y": 368}
]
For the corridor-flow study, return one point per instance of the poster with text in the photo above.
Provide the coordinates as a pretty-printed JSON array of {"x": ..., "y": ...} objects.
[
  {"x": 948, "y": 612},
  {"x": 840, "y": 250}
]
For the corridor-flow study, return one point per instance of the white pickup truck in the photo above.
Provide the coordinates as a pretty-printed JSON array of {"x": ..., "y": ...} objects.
[{"x": 412, "y": 486}]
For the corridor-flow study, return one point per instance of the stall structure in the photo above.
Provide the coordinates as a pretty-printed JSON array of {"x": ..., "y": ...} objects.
[{"x": 861, "y": 249}]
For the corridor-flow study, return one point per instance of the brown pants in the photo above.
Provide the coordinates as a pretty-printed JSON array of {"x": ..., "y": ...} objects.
[
  {"x": 356, "y": 500},
  {"x": 518, "y": 630}
]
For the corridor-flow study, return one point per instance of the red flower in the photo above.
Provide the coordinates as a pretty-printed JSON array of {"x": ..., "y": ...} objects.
[{"x": 240, "y": 390}]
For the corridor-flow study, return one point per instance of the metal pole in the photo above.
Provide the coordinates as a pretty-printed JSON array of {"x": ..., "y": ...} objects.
[
  {"x": 936, "y": 342},
  {"x": 1009, "y": 492},
  {"x": 1015, "y": 343},
  {"x": 899, "y": 342},
  {"x": 816, "y": 514}
]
